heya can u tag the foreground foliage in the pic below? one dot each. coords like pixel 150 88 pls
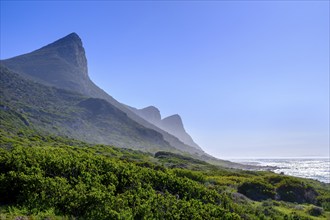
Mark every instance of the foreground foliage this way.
pixel 52 177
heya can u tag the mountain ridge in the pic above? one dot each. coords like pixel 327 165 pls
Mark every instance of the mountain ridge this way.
pixel 49 66
pixel 56 111
pixel 172 124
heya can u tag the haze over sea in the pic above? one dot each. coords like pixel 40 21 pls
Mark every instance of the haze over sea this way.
pixel 312 168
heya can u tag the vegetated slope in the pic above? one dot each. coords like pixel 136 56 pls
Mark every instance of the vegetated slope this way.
pixel 61 112
pixel 44 176
pixel 63 64
pixel 172 124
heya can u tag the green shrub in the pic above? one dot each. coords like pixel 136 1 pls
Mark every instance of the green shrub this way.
pixel 324 202
pixel 193 175
pixel 78 183
pixel 315 211
pixel 292 190
pixel 52 177
pixel 257 190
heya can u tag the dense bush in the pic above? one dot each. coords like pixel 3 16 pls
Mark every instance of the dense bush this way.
pixel 324 202
pixel 80 184
pixel 193 175
pixel 257 189
pixel 292 190
pixel 315 211
pixel 42 176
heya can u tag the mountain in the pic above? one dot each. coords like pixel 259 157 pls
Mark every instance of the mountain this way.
pixel 171 124
pixel 151 114
pixel 63 64
pixel 50 110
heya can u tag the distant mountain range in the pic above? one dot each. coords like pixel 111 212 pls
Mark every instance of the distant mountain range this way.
pixel 171 124
pixel 49 89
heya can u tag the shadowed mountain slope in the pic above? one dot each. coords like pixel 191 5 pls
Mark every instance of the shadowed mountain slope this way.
pixel 63 64
pixel 25 104
pixel 61 112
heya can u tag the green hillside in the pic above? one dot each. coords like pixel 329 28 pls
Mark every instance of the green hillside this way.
pixel 51 177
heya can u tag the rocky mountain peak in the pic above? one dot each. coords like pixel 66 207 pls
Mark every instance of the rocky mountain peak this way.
pixel 151 113
pixel 174 122
pixel 72 38
pixel 174 125
pixel 70 49
pixel 62 64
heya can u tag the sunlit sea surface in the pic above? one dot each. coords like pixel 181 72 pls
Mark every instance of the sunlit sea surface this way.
pixel 315 168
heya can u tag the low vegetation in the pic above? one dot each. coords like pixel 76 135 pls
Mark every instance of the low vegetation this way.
pixel 44 176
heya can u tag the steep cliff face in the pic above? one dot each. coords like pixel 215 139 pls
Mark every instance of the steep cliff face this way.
pixel 71 50
pixel 63 64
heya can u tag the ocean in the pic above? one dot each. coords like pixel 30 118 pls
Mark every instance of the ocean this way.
pixel 312 168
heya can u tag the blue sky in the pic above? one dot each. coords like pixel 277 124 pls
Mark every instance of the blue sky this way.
pixel 249 78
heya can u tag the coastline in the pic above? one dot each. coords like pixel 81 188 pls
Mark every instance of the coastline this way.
pixel 310 168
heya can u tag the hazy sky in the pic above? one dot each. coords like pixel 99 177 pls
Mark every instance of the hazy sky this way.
pixel 249 78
